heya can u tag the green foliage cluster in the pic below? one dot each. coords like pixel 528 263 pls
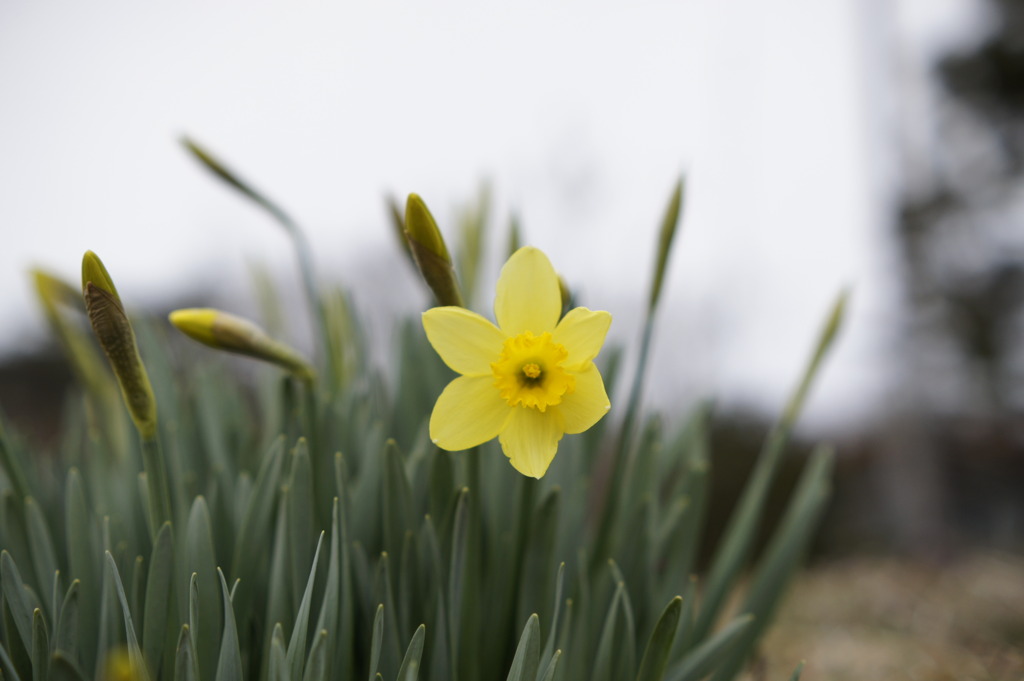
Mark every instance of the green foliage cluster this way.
pixel 313 532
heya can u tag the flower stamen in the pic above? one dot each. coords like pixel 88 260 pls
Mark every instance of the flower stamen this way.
pixel 529 372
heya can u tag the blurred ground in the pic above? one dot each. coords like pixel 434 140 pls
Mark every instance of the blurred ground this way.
pixel 894 619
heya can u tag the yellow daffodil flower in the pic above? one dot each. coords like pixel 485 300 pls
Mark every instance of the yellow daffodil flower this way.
pixel 528 380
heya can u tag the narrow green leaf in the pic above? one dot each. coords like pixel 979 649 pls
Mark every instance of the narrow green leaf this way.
pixel 688 620
pixel 11 465
pixel 681 543
pixel 80 535
pixel 229 666
pixel 280 605
pixel 205 617
pixel 655 661
pixel 409 573
pixel 62 668
pixel 347 614
pixel 441 483
pixel 14 524
pixel 826 338
pixel 540 530
pixel 44 558
pixel 549 671
pixel 297 645
pixel 135 595
pixel 710 654
pixel 796 672
pixel 255 531
pixel 440 650
pixel 7 666
pixel 134 652
pixel 605 658
pixel 455 571
pixel 396 500
pixel 549 646
pixel 66 637
pixel 781 558
pixel 409 670
pixel 278 656
pixel 193 612
pixel 376 641
pixel 186 666
pixel 327 621
pixel 107 605
pixel 301 519
pixel 629 637
pixel 158 597
pixel 316 668
pixel 738 539
pixel 40 647
pixel 16 598
pixel 527 657
pixel 412 672
pixel 390 645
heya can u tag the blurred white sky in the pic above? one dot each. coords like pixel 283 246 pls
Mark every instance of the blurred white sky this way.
pixel 785 116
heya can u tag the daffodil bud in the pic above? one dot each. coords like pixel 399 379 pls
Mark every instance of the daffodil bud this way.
pixel 398 225
pixel 116 337
pixel 430 253
pixel 826 339
pixel 94 271
pixel 230 333
pixel 669 225
pixel 54 291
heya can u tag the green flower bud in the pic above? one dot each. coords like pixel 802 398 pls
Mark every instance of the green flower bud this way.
pixel 430 253
pixel 228 332
pixel 114 332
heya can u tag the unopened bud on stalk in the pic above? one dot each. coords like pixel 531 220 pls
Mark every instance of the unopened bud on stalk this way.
pixel 398 224
pixel 669 226
pixel 116 337
pixel 228 332
pixel 430 253
pixel 54 291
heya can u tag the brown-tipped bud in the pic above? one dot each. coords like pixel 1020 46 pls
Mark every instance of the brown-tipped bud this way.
pixel 116 337
pixel 230 333
pixel 430 253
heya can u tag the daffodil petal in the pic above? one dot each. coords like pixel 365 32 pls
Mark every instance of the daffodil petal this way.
pixel 527 297
pixel 530 440
pixel 582 332
pixel 585 406
pixel 466 341
pixel 469 412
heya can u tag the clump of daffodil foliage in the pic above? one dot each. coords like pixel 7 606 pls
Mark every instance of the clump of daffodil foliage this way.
pixel 332 520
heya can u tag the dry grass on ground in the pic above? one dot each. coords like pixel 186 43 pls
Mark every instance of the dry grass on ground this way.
pixel 887 619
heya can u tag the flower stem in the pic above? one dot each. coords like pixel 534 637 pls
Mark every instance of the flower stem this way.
pixel 156 483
